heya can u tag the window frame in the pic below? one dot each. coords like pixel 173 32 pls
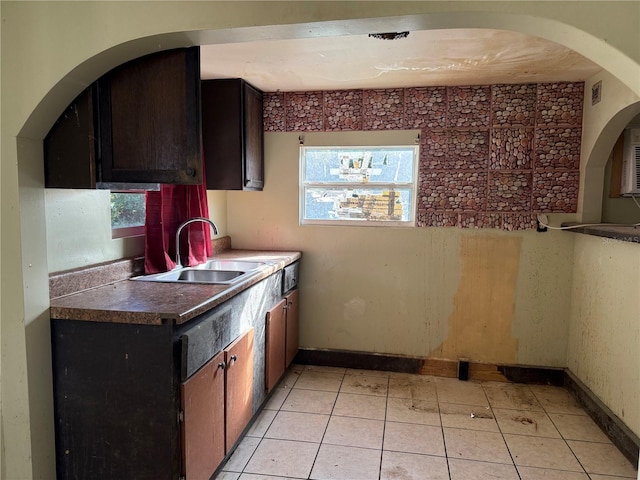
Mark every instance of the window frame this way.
pixel 368 185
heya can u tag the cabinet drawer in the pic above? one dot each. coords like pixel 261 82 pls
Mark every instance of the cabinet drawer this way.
pixel 290 276
pixel 202 341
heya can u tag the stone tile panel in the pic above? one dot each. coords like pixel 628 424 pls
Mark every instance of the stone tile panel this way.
pixel 437 219
pixel 509 192
pixel 481 220
pixel 426 107
pixel 383 109
pixel 463 191
pixel 557 147
pixel 556 191
pixel 513 105
pixel 524 221
pixel 434 147
pixel 511 149
pixel 468 106
pixel 343 110
pixel 273 112
pixel 560 103
pixel 468 150
pixel 304 111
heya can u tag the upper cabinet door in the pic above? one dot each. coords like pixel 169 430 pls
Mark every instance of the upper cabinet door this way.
pixel 150 120
pixel 70 147
pixel 232 135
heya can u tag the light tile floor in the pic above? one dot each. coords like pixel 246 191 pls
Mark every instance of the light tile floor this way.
pixel 326 423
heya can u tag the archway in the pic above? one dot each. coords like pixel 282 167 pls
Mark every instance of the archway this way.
pixel 190 32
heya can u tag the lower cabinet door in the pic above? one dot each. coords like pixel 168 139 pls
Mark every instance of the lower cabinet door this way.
pixel 202 397
pixel 291 341
pixel 275 354
pixel 239 397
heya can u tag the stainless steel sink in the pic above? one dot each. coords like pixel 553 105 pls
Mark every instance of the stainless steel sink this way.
pixel 209 276
pixel 224 272
pixel 229 265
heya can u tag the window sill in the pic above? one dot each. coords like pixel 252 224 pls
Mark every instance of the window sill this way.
pixel 127 232
pixel 624 234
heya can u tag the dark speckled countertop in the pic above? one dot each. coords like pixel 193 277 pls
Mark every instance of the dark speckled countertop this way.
pixel 128 301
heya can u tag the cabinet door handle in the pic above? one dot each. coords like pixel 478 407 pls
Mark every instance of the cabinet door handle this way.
pixel 234 358
pixel 222 365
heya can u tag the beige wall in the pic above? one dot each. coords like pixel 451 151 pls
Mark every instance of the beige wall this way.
pixel 601 127
pixel 52 50
pixel 487 295
pixel 604 335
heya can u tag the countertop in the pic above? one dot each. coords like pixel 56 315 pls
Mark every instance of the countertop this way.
pixel 617 232
pixel 154 303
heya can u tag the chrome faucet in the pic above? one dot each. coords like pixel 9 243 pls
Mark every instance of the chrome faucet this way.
pixel 184 224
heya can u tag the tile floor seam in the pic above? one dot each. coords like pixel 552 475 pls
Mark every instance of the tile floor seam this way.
pixel 384 427
pixel 444 442
pixel 315 459
pixel 493 414
pixel 577 459
pixel 261 437
pixel 268 426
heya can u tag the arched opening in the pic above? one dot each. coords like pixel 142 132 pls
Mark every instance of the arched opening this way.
pixel 59 95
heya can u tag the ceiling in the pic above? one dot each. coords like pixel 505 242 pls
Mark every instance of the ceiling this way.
pixel 423 58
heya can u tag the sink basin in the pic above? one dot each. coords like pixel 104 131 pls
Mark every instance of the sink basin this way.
pixel 229 265
pixel 224 272
pixel 208 276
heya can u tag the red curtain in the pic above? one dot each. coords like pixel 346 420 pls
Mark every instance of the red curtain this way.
pixel 165 211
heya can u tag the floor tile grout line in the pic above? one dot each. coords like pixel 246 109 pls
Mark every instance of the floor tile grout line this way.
pixel 262 437
pixel 513 461
pixel 384 427
pixel 562 436
pixel 315 459
pixel 266 429
pixel 444 441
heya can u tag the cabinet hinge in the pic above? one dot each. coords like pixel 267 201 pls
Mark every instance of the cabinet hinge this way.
pixel 181 417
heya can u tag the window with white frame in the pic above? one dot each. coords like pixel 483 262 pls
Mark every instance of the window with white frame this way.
pixel 358 185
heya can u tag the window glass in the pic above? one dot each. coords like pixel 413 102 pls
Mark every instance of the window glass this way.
pixel 127 213
pixel 358 185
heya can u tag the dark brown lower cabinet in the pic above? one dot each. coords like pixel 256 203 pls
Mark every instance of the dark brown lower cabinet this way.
pixel 203 434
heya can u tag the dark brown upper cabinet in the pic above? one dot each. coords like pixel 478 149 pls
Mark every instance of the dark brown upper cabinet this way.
pixel 232 135
pixel 71 146
pixel 139 123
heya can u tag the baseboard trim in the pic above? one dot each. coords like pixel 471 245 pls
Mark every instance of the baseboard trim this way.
pixel 429 366
pixel 363 360
pixel 621 436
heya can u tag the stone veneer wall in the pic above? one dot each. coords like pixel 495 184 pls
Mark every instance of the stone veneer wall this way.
pixel 490 156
